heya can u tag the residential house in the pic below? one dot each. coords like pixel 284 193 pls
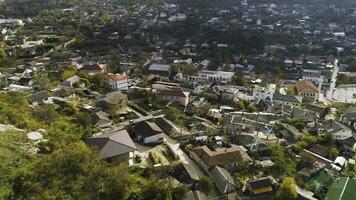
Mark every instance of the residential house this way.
pixel 313 76
pixel 281 99
pixel 224 157
pixel 226 92
pixel 223 180
pixel 112 102
pixel 26 81
pixel 162 70
pixel 349 117
pixel 117 82
pixel 92 68
pixel 101 119
pixel 160 85
pixel 260 186
pixel 115 146
pixel 38 97
pixel 70 82
pixel 307 89
pixel 148 132
pixel 174 95
pixel 348 145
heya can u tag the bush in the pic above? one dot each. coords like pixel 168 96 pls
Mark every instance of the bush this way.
pixel 205 184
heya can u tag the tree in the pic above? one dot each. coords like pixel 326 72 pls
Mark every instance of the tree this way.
pixel 205 184
pixel 2 51
pixel 73 172
pixel 278 157
pixel 306 160
pixel 287 190
pixel 239 80
pixel 69 72
pixel 352 66
pixel 333 152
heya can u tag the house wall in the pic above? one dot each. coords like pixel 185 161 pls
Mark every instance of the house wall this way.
pixel 285 103
pixel 199 161
pixel 120 158
pixel 310 96
pixel 119 85
pixel 154 139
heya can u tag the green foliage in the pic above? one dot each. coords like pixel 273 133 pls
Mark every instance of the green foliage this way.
pixel 239 80
pixel 305 140
pixel 15 110
pixel 12 157
pixel 69 72
pixel 181 189
pixel 287 190
pixel 2 51
pixel 73 172
pixel 205 184
pixel 284 161
pixel 306 160
pixel 344 80
pixel 352 66
pixel 177 116
pixel 97 82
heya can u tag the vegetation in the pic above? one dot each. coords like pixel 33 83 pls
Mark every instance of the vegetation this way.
pixel 77 173
pixel 305 140
pixel 12 157
pixel 205 184
pixel 285 162
pixel 287 190
pixel 344 80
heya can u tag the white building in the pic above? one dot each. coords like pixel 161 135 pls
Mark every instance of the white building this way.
pixel 345 94
pixel 117 82
pixel 174 95
pixel 264 93
pixel 207 76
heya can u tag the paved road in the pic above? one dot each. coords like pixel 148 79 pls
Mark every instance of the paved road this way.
pixel 329 94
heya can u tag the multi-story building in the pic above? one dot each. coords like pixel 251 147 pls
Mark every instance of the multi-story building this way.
pixel 207 76
pixel 117 82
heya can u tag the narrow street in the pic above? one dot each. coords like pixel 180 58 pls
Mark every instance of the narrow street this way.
pixel 329 94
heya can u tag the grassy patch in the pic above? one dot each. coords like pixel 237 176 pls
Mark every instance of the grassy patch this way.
pixel 14 153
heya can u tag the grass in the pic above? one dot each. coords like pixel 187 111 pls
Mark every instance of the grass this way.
pixel 14 153
pixel 322 179
pixel 336 191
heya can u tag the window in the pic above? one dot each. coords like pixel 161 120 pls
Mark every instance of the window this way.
pixel 354 95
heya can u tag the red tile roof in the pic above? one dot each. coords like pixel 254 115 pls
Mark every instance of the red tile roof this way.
pixel 305 86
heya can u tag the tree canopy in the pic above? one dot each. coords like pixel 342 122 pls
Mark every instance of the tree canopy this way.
pixel 287 190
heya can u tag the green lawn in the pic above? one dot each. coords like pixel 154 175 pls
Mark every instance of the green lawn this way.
pixel 343 188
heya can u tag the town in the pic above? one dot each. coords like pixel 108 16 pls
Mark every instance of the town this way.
pixel 178 99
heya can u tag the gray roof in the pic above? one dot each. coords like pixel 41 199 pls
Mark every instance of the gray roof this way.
pixel 226 89
pixel 112 144
pixel 223 179
pixel 39 96
pixel 286 98
pixel 159 67
pixel 112 97
pixel 350 113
